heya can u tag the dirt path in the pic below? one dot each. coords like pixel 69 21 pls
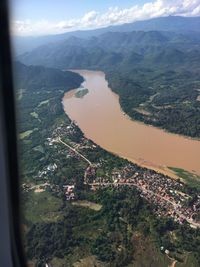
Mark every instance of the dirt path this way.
pixel 173 264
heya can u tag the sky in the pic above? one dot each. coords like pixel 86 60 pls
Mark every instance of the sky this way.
pixel 42 17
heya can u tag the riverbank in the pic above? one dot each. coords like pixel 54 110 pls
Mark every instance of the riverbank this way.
pixel 61 166
pixel 100 117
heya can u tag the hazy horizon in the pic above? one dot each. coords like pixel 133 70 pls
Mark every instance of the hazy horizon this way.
pixel 61 16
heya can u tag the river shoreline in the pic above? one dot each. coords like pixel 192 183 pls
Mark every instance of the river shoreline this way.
pixel 118 138
pixel 132 119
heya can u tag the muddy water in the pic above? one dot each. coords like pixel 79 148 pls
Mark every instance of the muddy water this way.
pixel 99 116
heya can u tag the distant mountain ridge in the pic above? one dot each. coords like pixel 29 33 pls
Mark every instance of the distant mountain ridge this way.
pixel 176 24
pixel 127 49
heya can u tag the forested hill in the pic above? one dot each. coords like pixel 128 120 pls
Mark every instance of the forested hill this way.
pixel 39 77
pixel 156 74
pixel 129 49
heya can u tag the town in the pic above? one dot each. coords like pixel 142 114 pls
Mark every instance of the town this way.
pixel 167 195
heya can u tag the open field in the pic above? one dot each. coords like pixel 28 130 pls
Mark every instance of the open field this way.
pixel 188 262
pixel 146 254
pixel 90 261
pixel 42 207
pixel 25 134
pixel 87 204
pixel 188 177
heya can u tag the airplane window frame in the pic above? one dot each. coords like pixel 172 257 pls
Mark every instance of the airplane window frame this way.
pixel 12 250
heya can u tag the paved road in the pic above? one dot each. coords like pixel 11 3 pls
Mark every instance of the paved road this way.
pixel 83 157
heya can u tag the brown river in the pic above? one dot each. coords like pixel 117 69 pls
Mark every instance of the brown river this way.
pixel 101 119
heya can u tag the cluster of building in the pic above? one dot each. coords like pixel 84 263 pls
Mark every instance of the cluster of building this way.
pixel 126 172
pixel 46 170
pixel 167 196
pixel 90 174
pixel 165 193
pixel 69 192
pixel 36 187
pixel 62 130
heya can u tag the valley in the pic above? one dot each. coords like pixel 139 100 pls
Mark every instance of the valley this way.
pixel 109 145
pixel 155 71
pixel 94 203
pixel 100 117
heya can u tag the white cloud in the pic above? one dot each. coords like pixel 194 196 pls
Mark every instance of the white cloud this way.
pixel 115 15
pixel 90 16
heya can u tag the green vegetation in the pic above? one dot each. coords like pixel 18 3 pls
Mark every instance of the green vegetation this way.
pixel 25 134
pixel 167 96
pixel 190 178
pixel 188 261
pixel 81 93
pixel 89 262
pixel 87 204
pixel 34 114
pixel 139 66
pixel 40 78
pixel 42 207
pixel 116 229
pixel 43 103
pixel 123 233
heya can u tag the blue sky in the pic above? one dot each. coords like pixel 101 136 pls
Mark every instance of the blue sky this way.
pixel 41 17
pixel 64 9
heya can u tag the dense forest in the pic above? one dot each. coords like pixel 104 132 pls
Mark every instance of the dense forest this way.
pixel 39 109
pixel 111 234
pixel 166 99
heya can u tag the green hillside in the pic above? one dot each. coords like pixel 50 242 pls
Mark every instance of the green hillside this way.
pixel 155 72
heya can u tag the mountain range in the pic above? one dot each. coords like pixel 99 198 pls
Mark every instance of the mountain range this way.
pixel 189 25
pixel 158 69
pixel 126 49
